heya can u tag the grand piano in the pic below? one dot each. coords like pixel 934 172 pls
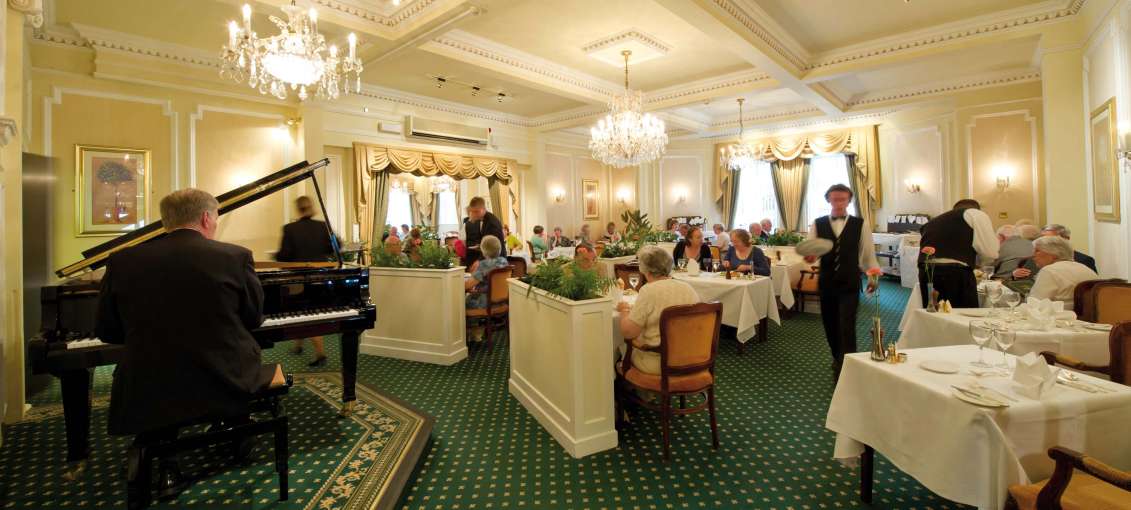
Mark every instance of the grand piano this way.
pixel 301 300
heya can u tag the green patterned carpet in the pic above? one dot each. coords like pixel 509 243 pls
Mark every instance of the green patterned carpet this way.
pixel 489 453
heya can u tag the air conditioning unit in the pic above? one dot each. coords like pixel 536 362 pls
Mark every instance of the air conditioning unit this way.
pixel 434 130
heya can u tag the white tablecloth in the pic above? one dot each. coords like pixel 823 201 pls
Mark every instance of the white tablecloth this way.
pixel 782 274
pixel 926 329
pixel 962 452
pixel 560 252
pixel 745 302
pixel 909 266
pixel 525 256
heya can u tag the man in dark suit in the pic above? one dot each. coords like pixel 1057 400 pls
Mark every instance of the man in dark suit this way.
pixel 478 224
pixel 183 306
pixel 1028 269
pixel 306 240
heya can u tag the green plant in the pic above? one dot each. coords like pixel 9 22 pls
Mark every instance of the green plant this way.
pixel 622 248
pixel 427 232
pixel 380 256
pixel 564 278
pixel 782 239
pixel 430 255
pixel 661 236
pixel 636 225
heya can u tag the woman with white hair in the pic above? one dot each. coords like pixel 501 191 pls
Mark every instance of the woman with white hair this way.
pixel 480 271
pixel 1059 274
pixel 642 320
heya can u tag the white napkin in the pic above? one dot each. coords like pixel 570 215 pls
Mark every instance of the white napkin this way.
pixel 1033 377
pixel 692 268
pixel 1042 314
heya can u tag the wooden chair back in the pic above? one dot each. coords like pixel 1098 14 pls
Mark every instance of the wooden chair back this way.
pixel 689 339
pixel 1111 302
pixel 1082 299
pixel 624 271
pixel 498 292
pixel 807 283
pixel 599 248
pixel 530 249
pixel 1119 345
pixel 519 265
pixel 715 253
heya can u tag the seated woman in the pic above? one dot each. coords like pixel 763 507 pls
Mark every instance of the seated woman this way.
pixel 539 243
pixel 491 246
pixel 641 321
pixel 513 242
pixel 412 244
pixel 693 249
pixel 1059 274
pixel 744 257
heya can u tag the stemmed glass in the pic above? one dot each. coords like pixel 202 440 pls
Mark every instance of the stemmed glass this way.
pixel 634 281
pixel 1012 299
pixel 981 333
pixel 682 264
pixel 714 266
pixel 987 273
pixel 1004 337
pixel 993 294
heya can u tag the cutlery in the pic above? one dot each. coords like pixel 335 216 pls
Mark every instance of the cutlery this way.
pixel 979 395
pixel 1078 386
pixel 1073 378
pixel 996 393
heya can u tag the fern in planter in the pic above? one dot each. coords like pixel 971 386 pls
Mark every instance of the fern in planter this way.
pixel 565 279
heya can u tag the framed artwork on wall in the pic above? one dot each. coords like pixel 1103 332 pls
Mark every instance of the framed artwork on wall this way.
pixel 111 190
pixel 1105 168
pixel 590 196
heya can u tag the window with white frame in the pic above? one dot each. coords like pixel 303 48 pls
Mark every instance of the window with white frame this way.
pixel 756 198
pixel 400 209
pixel 449 218
pixel 825 171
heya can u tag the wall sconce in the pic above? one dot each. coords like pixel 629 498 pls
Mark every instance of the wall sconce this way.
pixel 912 186
pixel 622 196
pixel 680 195
pixel 559 195
pixel 1002 175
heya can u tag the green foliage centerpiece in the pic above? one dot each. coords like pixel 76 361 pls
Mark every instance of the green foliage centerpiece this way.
pixel 429 256
pixel 782 238
pixel 565 279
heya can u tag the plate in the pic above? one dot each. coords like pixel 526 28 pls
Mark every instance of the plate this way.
pixel 814 247
pixel 1097 327
pixel 939 366
pixel 974 312
pixel 977 401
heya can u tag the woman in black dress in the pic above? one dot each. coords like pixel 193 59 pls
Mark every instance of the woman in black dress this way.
pixel 693 249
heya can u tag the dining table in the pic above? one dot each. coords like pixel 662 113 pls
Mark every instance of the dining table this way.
pixel 748 302
pixel 783 275
pixel 964 452
pixel 1081 340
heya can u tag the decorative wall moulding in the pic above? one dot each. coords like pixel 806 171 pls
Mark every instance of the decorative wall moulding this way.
pixel 31 9
pixel 7 130
pixel 643 47
pixel 968 83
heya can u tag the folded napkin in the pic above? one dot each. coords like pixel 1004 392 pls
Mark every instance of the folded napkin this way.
pixel 692 268
pixel 1033 377
pixel 1042 314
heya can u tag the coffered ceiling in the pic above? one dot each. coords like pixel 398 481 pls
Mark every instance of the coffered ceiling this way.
pixel 557 61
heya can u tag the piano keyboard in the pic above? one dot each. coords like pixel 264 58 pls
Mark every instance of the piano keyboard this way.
pixel 297 318
pixel 84 342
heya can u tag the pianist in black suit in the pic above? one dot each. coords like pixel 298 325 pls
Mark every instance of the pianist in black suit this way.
pixel 479 224
pixel 306 240
pixel 183 306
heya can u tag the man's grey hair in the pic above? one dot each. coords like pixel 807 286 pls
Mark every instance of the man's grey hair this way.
pixel 1027 232
pixel 1059 229
pixel 717 227
pixel 655 261
pixel 490 246
pixel 1058 247
pixel 1006 231
pixel 184 207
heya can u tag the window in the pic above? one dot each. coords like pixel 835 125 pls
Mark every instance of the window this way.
pixel 400 210
pixel 824 172
pixel 756 196
pixel 449 218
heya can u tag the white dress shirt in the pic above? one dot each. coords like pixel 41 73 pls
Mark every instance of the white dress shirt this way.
pixel 985 237
pixel 867 245
pixel 1057 281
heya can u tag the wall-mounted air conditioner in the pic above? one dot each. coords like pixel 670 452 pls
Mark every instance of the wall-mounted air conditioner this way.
pixel 434 130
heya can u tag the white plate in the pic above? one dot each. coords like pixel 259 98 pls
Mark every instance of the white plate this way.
pixel 814 247
pixel 977 401
pixel 1097 327
pixel 974 312
pixel 939 366
pixel 706 274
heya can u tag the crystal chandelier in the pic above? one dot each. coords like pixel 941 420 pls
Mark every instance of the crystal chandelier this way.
pixel 627 136
pixel 297 58
pixel 739 154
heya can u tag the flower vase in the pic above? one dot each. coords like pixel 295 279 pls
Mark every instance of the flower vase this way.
pixel 878 351
pixel 932 298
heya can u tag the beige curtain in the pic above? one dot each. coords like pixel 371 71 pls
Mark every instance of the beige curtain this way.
pixel 790 177
pixel 422 196
pixel 363 197
pixel 380 158
pixel 726 185
pixel 499 206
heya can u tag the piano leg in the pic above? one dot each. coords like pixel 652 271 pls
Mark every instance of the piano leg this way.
pixel 76 386
pixel 350 344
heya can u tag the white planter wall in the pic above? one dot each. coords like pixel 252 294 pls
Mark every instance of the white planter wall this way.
pixel 420 315
pixel 562 367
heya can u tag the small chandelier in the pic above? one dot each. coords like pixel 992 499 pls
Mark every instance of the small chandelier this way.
pixel 296 59
pixel 627 136
pixel 739 154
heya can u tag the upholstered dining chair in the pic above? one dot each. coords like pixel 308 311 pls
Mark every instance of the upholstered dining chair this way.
pixel 519 265
pixel 623 271
pixel 1118 368
pixel 806 287
pixel 689 342
pixel 1082 298
pixel 497 313
pixel 715 253
pixel 1111 303
pixel 1097 487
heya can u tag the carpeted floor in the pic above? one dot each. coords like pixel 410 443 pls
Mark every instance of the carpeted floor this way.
pixel 489 453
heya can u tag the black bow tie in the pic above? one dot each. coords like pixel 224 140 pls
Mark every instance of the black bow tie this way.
pixel 834 218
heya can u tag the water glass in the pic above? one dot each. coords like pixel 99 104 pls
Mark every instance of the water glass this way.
pixel 987 273
pixel 981 333
pixel 1012 299
pixel 634 281
pixel 715 266
pixel 993 294
pixel 682 263
pixel 1004 337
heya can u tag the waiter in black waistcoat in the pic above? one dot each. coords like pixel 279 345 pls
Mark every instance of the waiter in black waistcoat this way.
pixel 184 306
pixel 958 236
pixel 477 224
pixel 306 240
pixel 853 251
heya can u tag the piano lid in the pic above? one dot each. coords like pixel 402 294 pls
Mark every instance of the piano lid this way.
pixel 96 257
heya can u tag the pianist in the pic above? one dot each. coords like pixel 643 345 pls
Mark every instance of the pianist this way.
pixel 183 306
pixel 306 240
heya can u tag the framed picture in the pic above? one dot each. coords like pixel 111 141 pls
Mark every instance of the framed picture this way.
pixel 111 190
pixel 1105 168
pixel 590 198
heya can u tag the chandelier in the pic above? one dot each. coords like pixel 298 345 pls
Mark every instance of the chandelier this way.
pixel 296 59
pixel 739 154
pixel 627 136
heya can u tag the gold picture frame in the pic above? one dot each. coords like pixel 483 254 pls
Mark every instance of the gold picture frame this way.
pixel 1104 136
pixel 111 190
pixel 590 195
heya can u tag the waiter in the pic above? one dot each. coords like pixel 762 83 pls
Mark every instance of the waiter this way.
pixel 853 251
pixel 306 240
pixel 958 236
pixel 183 306
pixel 478 224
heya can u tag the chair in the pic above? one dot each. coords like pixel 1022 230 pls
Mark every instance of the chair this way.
pixel 599 249
pixel 689 342
pixel 530 249
pixel 1118 368
pixel 715 253
pixel 1082 302
pixel 806 287
pixel 519 265
pixel 138 490
pixel 624 271
pixel 1111 303
pixel 498 304
pixel 1099 486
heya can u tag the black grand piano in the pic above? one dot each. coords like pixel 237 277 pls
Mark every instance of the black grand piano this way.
pixel 301 300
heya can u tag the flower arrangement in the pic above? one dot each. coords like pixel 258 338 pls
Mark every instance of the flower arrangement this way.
pixel 427 232
pixel 622 248
pixel 932 298
pixel 662 236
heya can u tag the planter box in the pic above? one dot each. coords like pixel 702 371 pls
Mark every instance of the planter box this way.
pixel 561 366
pixel 420 315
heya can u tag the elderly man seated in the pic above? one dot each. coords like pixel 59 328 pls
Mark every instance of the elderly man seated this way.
pixel 1059 274
pixel 1016 247
pixel 1056 229
pixel 641 321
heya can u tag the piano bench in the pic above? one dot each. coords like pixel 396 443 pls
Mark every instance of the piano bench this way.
pixel 139 491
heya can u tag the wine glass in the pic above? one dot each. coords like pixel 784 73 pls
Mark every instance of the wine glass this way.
pixel 987 273
pixel 682 264
pixel 634 281
pixel 1004 337
pixel 714 266
pixel 981 333
pixel 993 294
pixel 1012 299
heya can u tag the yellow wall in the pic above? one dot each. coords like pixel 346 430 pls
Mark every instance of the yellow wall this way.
pixel 11 228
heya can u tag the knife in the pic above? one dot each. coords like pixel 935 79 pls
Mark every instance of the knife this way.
pixel 980 396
